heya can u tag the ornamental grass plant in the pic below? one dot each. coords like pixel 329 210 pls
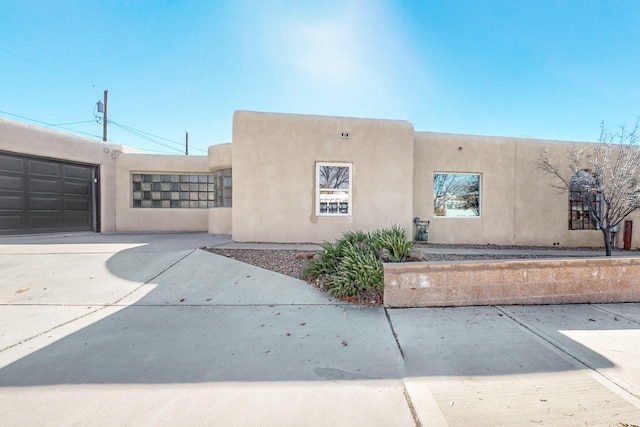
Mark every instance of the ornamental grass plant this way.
pixel 351 267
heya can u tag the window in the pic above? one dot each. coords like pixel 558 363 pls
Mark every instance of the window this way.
pixel 583 196
pixel 456 195
pixel 223 188
pixel 333 189
pixel 173 191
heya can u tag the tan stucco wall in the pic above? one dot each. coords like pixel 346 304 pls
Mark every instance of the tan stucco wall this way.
pixel 129 219
pixel 220 220
pixel 36 141
pixel 116 166
pixel 541 210
pixel 274 158
pixel 220 156
pixel 492 158
pixel 518 204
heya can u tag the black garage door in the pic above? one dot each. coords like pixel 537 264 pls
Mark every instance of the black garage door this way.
pixel 39 195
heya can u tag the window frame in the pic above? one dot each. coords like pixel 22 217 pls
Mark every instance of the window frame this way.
pixel 584 220
pixel 349 191
pixel 435 196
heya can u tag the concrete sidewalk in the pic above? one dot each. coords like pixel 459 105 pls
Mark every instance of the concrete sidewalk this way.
pixel 147 329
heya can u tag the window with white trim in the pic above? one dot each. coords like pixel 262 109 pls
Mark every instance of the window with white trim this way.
pixel 333 189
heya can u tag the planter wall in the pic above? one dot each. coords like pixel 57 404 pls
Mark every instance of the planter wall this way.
pixel 465 283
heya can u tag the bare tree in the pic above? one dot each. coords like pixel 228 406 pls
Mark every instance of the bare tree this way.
pixel 448 187
pixel 442 184
pixel 334 177
pixel 604 177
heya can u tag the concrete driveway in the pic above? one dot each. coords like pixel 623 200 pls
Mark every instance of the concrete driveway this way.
pixel 147 329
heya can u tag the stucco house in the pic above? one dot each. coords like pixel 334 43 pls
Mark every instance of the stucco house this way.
pixel 294 178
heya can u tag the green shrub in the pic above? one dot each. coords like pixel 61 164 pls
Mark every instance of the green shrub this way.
pixel 326 264
pixel 354 237
pixel 392 244
pixel 359 271
pixel 352 266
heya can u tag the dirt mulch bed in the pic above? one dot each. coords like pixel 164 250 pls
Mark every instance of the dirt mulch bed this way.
pixel 278 260
pixel 285 262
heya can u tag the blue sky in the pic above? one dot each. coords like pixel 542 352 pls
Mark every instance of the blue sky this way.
pixel 540 69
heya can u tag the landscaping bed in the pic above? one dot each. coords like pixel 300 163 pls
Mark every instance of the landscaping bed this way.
pixel 293 262
pixel 284 261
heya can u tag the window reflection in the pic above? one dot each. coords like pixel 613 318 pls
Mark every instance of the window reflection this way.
pixel 456 195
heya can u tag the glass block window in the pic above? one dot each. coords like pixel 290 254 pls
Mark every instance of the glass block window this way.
pixel 223 188
pixel 173 191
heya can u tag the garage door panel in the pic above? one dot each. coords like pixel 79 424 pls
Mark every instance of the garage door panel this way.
pixel 77 205
pixel 40 167
pixel 11 202
pixel 70 171
pixel 77 188
pixel 44 186
pixel 80 222
pixel 11 164
pixel 46 195
pixel 45 221
pixel 15 183
pixel 11 223
pixel 39 203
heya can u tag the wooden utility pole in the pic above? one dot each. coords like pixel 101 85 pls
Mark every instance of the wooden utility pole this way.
pixel 104 118
pixel 186 144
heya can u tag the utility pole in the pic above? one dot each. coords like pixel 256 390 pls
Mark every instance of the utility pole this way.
pixel 104 118
pixel 186 144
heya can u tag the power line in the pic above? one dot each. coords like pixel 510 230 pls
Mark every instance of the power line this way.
pixel 76 78
pixel 198 149
pixel 24 58
pixel 50 124
pixel 135 132
pixel 145 133
pixel 40 100
pixel 152 138
pixel 73 123
pixel 156 151
pixel 142 135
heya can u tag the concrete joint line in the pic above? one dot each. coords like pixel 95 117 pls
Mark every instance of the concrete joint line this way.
pixel 414 414
pixel 574 358
pixel 115 303
pixel 393 332
pixel 100 307
pixel 407 396
pixel 230 305
pixel 24 304
pixel 604 310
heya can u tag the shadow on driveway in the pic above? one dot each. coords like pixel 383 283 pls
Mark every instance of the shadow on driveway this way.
pixel 206 318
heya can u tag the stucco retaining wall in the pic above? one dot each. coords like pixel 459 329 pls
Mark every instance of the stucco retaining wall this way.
pixel 593 280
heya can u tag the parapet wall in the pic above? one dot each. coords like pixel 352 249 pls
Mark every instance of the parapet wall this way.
pixel 567 281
